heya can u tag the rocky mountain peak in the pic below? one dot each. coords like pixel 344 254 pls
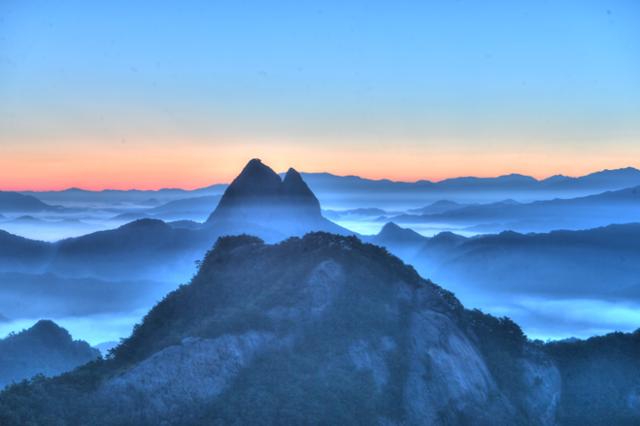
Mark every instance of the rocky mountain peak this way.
pixel 259 193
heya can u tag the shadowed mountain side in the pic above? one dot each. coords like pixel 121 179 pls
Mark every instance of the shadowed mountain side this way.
pixel 45 349
pixel 621 206
pixel 325 328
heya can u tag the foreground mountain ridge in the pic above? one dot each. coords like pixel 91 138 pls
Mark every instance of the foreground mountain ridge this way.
pixel 328 315
pixel 322 329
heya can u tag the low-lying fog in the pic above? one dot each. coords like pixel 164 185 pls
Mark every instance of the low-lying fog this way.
pixel 553 319
pixel 543 317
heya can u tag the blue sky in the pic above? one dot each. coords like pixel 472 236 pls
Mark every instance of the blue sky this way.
pixel 532 86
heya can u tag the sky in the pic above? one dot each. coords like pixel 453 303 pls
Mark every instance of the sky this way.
pixel 158 94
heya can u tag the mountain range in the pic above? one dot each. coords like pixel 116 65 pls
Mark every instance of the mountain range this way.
pixel 621 206
pixel 14 202
pixel 355 192
pixel 158 254
pixel 349 192
pixel 540 263
pixel 328 328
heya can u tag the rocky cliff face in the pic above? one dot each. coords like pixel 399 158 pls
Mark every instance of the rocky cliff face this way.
pixel 321 329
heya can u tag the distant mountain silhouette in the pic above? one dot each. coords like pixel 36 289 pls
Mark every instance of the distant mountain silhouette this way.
pixel 143 249
pixel 258 190
pixel 597 181
pixel 13 202
pixel 27 219
pixel 605 180
pixel 620 206
pixel 259 202
pixel 357 214
pixel 354 192
pixel 438 207
pixel 44 349
pixel 393 233
pixel 326 328
pixel 196 208
pixel 545 264
pixel 348 192
pixel 403 242
pixel 22 254
pixel 75 196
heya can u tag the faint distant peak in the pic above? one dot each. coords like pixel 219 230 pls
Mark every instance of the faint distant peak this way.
pixel 390 227
pixel 47 329
pixel 392 232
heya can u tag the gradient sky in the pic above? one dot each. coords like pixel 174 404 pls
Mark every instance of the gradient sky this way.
pixel 181 94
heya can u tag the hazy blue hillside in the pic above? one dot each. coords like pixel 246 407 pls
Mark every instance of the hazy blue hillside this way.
pixel 21 254
pixel 196 208
pixel 558 284
pixel 13 202
pixel 45 349
pixel 544 264
pixel 144 249
pixel 620 206
pixel 604 261
pixel 79 197
pixel 29 295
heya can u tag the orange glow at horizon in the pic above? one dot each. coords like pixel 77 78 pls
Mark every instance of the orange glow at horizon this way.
pixel 194 166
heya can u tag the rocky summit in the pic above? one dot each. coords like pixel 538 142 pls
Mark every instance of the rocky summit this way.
pixel 323 329
pixel 258 193
pixel 259 202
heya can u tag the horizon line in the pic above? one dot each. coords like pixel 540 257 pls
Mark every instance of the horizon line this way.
pixel 421 180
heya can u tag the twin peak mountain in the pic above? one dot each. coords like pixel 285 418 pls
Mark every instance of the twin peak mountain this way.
pixel 259 202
